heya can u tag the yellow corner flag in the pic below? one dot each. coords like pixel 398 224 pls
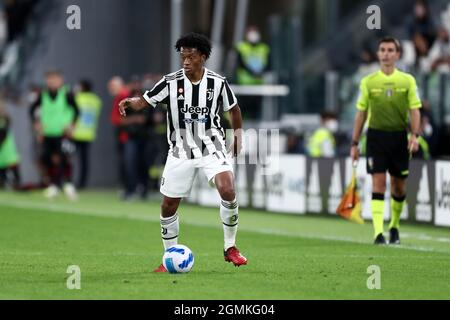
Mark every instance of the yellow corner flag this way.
pixel 350 206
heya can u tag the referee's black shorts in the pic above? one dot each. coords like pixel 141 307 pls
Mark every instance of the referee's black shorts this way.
pixel 388 151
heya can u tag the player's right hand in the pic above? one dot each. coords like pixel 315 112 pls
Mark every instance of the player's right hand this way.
pixel 122 107
pixel 354 153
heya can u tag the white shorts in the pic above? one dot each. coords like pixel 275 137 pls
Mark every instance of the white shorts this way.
pixel 179 175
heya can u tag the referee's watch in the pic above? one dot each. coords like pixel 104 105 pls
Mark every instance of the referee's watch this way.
pixel 355 143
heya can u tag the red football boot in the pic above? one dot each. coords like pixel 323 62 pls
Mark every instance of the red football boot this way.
pixel 233 255
pixel 160 269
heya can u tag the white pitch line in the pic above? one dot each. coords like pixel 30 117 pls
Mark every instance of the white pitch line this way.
pixel 53 207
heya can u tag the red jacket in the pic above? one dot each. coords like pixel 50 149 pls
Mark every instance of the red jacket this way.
pixel 115 115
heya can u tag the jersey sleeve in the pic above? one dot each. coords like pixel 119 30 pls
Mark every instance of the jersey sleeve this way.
pixel 159 93
pixel 363 98
pixel 413 95
pixel 228 97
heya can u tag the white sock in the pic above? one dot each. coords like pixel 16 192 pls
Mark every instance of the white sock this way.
pixel 170 228
pixel 230 218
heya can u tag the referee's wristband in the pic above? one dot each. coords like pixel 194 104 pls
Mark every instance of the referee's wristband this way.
pixel 355 143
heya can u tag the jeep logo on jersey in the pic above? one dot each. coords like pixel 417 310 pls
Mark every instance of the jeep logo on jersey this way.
pixel 196 110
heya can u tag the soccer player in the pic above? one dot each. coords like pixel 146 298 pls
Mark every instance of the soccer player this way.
pixel 389 96
pixel 54 115
pixel 194 96
pixel 9 157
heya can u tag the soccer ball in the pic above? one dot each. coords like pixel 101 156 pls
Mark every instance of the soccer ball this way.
pixel 178 259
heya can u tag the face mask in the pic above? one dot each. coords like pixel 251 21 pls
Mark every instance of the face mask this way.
pixel 428 130
pixel 332 125
pixel 253 36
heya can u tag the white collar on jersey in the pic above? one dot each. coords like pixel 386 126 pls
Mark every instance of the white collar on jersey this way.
pixel 198 82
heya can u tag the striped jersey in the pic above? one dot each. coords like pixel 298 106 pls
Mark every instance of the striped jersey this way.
pixel 193 119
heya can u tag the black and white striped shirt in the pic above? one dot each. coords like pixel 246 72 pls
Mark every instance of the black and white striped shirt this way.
pixel 193 120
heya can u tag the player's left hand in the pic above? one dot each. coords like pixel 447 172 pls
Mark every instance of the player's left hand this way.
pixel 413 145
pixel 123 105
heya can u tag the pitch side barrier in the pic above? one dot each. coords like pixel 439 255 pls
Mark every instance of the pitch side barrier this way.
pixel 301 185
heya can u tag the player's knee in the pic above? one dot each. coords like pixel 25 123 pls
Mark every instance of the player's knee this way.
pixel 379 186
pixel 398 191
pixel 227 193
pixel 168 208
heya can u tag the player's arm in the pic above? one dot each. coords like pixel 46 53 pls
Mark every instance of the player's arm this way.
pixel 136 103
pixel 4 130
pixel 415 127
pixel 74 105
pixel 360 118
pixel 414 112
pixel 158 94
pixel 236 123
pixel 34 111
pixel 230 105
pixel 358 125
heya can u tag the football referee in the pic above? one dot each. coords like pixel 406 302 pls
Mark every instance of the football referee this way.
pixel 388 98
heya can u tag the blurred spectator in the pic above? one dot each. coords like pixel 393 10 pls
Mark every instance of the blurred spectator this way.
pixel 421 29
pixel 136 127
pixel 17 13
pixel 253 61
pixel 135 86
pixel 157 148
pixel 9 157
pixel 438 58
pixel 322 143
pixel 119 91
pixel 54 114
pixel 3 30
pixel 429 130
pixel 368 62
pixel 34 92
pixel 295 143
pixel 85 131
pixel 426 130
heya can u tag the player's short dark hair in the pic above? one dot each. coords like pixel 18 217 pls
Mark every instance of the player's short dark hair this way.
pixel 195 41
pixel 393 40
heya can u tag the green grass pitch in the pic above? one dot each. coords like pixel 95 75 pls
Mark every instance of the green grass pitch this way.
pixel 117 245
